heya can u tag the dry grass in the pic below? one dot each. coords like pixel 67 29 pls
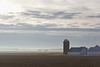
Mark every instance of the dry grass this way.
pixel 48 60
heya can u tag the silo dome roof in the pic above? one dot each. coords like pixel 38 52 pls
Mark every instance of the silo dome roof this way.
pixel 66 40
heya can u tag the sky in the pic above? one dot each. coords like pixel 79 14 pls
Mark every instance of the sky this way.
pixel 44 24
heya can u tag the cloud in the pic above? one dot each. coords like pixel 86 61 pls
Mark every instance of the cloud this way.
pixel 46 27
pixel 98 16
pixel 63 15
pixel 24 28
pixel 47 20
pixel 6 17
pixel 89 6
pixel 50 14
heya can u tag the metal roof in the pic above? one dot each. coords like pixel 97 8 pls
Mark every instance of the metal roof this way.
pixel 94 49
pixel 76 49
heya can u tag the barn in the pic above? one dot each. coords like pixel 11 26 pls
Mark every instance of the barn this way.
pixel 78 51
pixel 94 51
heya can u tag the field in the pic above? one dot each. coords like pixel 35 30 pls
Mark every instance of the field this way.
pixel 48 60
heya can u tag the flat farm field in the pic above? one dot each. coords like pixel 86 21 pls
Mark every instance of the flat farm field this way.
pixel 48 60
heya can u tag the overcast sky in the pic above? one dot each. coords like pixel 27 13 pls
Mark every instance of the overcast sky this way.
pixel 46 23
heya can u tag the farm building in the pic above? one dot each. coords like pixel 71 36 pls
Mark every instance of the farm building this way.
pixel 94 51
pixel 66 46
pixel 78 51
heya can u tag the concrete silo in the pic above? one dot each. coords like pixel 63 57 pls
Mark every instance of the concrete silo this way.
pixel 66 46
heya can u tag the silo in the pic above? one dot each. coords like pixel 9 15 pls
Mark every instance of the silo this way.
pixel 66 46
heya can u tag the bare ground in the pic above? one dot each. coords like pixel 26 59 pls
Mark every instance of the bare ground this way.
pixel 48 60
